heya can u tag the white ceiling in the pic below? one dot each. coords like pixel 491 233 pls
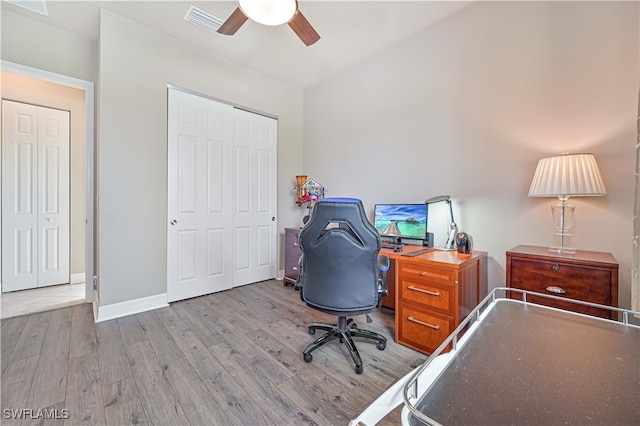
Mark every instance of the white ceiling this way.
pixel 350 31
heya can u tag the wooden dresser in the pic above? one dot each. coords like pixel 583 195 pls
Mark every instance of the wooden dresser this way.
pixel 292 255
pixel 434 292
pixel 586 275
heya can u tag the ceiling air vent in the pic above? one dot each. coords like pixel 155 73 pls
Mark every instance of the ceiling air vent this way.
pixel 203 19
pixel 38 6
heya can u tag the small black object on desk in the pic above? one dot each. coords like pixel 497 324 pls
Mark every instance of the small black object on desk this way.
pixel 395 247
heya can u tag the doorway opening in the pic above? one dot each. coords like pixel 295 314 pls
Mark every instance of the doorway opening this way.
pixel 81 286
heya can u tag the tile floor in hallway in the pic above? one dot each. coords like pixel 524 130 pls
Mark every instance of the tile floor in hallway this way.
pixel 24 302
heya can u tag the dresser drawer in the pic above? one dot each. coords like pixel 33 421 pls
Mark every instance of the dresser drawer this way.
pixel 421 329
pixel 578 282
pixel 291 267
pixel 589 284
pixel 292 255
pixel 291 241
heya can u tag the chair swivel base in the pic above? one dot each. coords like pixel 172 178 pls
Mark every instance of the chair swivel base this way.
pixel 344 330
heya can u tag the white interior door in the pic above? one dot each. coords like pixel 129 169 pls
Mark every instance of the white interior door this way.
pixel 200 173
pixel 35 196
pixel 255 232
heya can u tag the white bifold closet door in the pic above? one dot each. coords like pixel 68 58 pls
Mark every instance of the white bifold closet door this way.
pixel 221 202
pixel 35 196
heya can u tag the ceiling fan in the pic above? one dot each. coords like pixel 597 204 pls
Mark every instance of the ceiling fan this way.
pixel 271 12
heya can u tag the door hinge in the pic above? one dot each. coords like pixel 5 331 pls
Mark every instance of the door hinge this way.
pixel 95 282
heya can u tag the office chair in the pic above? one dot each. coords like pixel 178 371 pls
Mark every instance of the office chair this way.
pixel 341 273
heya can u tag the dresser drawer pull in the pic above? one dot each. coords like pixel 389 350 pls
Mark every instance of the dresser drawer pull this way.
pixel 423 273
pixel 432 293
pixel 554 289
pixel 555 267
pixel 426 324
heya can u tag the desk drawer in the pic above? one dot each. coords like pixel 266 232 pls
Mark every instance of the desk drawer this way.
pixel 421 329
pixel 440 297
pixel 426 274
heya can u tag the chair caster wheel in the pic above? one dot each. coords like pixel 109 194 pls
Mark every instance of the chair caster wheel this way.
pixel 307 357
pixel 381 345
pixel 312 331
pixel 358 369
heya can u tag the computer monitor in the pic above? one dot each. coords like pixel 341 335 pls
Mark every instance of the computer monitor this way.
pixel 400 221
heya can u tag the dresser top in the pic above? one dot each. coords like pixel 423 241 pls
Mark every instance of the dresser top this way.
pixel 579 255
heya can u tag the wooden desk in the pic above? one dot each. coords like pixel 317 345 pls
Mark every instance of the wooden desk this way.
pixel 432 293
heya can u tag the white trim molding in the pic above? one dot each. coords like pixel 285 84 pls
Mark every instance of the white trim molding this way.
pixel 131 307
pixel 77 278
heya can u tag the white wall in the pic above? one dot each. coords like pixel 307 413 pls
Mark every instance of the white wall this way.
pixel 28 42
pixel 136 64
pixel 468 107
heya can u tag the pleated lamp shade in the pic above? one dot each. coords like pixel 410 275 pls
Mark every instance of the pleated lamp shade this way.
pixel 567 175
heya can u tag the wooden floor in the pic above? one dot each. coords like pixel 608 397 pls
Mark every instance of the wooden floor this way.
pixel 230 358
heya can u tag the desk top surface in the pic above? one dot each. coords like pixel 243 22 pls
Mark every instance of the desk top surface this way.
pixel 439 256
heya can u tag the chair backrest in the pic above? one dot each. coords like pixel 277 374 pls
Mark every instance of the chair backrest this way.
pixel 340 258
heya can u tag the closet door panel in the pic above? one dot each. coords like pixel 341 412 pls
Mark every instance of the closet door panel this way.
pixel 19 196
pixel 199 193
pixel 255 142
pixel 53 197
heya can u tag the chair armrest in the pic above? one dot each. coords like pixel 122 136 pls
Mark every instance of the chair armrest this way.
pixel 383 267
pixel 383 263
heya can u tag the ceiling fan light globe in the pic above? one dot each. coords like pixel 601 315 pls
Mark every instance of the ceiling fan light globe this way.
pixel 269 12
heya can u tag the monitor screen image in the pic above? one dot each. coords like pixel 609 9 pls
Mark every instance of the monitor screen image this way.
pixel 401 220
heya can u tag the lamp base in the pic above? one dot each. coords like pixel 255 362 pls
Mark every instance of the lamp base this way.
pixel 562 244
pixel 562 250
pixel 562 214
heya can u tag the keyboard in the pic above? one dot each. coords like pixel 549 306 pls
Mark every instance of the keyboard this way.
pixel 419 252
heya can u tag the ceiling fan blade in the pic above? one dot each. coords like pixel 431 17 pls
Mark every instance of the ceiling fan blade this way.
pixel 303 29
pixel 233 22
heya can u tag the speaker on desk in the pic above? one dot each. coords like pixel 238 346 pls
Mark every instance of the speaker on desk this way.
pixel 428 241
pixel 464 242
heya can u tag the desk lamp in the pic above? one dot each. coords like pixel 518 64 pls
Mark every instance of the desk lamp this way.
pixel 453 228
pixel 564 176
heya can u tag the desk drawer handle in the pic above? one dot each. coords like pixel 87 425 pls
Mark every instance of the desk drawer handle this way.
pixel 426 324
pixel 554 289
pixel 432 293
